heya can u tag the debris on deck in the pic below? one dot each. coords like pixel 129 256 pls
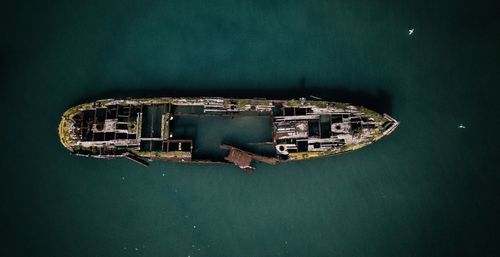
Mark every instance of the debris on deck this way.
pixel 140 129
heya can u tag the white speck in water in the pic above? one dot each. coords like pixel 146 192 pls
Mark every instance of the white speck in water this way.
pixel 124 248
pixel 410 31
pixel 163 174
pixel 461 126
pixel 137 249
pixel 194 226
pixel 123 178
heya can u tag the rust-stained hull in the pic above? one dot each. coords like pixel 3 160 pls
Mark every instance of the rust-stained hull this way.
pixel 141 129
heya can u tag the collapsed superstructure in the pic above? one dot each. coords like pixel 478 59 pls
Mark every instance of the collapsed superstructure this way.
pixel 143 129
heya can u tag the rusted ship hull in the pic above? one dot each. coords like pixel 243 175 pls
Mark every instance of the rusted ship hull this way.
pixel 142 129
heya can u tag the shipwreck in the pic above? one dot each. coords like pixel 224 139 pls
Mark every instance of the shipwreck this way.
pixel 185 129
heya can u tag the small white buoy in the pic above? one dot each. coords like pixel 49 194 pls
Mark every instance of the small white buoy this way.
pixel 410 31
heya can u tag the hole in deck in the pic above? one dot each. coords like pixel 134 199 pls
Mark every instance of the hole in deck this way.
pixel 208 132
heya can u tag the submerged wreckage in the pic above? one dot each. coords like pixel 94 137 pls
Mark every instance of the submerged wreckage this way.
pixel 146 129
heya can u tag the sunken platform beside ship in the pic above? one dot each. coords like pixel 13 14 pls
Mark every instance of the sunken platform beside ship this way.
pixel 185 129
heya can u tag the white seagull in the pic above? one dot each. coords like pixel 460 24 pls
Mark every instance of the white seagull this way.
pixel 410 31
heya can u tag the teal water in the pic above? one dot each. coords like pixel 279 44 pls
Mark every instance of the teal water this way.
pixel 429 189
pixel 209 132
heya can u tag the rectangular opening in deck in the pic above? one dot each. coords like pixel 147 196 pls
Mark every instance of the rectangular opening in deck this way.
pixel 151 120
pixel 152 146
pixel 208 132
pixel 300 111
pixel 325 126
pixel 313 127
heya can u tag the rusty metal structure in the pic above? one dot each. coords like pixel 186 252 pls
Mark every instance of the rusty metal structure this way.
pixel 142 129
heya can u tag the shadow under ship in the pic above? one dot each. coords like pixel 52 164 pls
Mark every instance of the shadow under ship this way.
pixel 175 129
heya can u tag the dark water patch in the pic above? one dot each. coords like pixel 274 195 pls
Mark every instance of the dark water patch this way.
pixel 208 132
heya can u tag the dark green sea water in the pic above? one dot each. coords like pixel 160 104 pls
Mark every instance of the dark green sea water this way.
pixel 429 189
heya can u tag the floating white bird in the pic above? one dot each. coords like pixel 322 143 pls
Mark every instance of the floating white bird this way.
pixel 410 31
pixel 462 126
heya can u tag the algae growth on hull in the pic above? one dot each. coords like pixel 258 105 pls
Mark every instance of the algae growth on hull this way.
pixel 255 129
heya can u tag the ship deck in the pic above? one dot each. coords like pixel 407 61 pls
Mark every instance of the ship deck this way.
pixel 194 129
